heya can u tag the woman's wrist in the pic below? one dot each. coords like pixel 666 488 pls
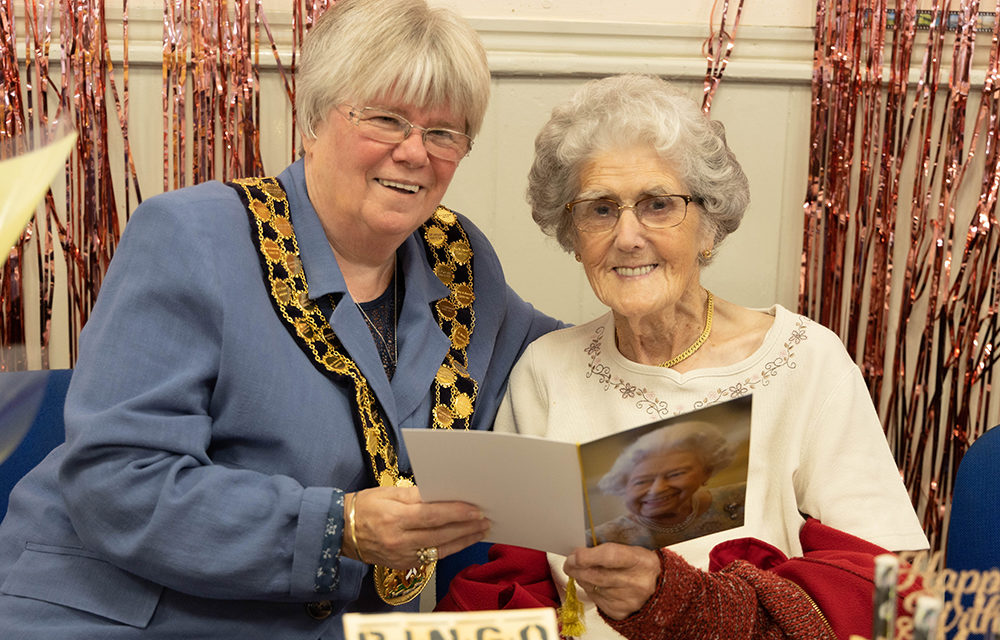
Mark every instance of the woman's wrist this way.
pixel 654 611
pixel 350 546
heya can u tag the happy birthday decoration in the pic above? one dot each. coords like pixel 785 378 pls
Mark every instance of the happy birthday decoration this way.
pixel 970 598
pixel 900 243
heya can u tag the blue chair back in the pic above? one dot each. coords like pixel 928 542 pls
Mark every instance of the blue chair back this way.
pixel 31 422
pixel 974 524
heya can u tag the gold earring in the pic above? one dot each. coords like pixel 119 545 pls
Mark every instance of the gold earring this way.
pixel 579 258
pixel 706 254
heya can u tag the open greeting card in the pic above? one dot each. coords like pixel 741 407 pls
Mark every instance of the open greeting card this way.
pixel 652 485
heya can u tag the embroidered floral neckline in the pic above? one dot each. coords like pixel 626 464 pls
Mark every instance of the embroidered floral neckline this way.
pixel 613 372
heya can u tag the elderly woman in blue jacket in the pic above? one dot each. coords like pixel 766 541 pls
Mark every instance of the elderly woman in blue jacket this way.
pixel 233 464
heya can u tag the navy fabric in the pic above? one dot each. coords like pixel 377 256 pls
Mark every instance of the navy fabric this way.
pixel 974 525
pixel 31 411
pixel 448 568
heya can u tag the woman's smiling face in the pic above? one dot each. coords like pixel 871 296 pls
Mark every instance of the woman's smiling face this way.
pixel 364 187
pixel 662 485
pixel 637 271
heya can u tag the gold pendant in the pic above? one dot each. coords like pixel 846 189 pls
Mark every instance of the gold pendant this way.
pixel 395 586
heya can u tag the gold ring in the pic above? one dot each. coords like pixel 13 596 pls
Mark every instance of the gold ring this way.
pixel 427 555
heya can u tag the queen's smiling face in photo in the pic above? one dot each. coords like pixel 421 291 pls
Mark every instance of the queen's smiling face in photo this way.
pixel 662 487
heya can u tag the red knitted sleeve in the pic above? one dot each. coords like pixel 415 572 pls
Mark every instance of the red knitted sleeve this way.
pixel 741 602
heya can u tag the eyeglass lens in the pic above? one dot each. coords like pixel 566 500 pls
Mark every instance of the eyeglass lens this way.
pixel 385 126
pixel 655 212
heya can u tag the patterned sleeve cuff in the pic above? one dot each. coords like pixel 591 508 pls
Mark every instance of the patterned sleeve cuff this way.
pixel 758 605
pixel 327 569
pixel 657 617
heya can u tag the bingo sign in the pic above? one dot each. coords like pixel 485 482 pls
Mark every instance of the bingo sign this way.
pixel 517 624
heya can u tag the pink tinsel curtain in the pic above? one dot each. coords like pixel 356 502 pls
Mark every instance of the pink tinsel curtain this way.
pixel 211 55
pixel 900 244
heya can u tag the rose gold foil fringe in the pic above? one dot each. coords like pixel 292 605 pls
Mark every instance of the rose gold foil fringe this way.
pixel 210 96
pixel 12 128
pixel 222 81
pixel 77 98
pixel 923 330
pixel 717 49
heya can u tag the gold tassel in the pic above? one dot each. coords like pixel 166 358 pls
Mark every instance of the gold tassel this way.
pixel 571 613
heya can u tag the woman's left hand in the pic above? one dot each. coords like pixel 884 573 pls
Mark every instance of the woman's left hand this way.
pixel 618 578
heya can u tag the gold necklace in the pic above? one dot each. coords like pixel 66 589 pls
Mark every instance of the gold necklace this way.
pixel 684 355
pixel 449 251
pixel 395 322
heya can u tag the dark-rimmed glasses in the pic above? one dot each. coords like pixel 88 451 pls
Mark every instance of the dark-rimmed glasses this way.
pixel 653 212
pixel 386 126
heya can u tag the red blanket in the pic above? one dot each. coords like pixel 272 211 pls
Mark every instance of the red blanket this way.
pixel 836 570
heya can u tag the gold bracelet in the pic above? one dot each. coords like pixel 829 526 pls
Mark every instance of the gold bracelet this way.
pixel 354 537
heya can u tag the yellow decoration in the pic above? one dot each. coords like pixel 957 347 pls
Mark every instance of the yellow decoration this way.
pixel 461 252
pixel 24 179
pixel 293 264
pixel 283 227
pixel 445 376
pixel 444 272
pixel 443 416
pixel 571 613
pixel 272 250
pixel 334 362
pixel 435 236
pixel 261 211
pixel 273 190
pixel 445 216
pixel 281 291
pixel 460 337
pixel 464 295
pixel 446 309
pixel 460 368
pixel 463 405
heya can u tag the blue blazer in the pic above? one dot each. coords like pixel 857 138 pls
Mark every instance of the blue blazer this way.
pixel 206 456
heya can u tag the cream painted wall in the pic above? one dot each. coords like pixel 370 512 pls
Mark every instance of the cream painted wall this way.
pixel 540 51
pixel 755 12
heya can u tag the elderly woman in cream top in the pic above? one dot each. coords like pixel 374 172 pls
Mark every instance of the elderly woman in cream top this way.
pixel 634 180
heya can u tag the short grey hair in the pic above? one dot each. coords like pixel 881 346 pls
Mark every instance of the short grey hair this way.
pixel 624 110
pixel 360 50
pixel 704 439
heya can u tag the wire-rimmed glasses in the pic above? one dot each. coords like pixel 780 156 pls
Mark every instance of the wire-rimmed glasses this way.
pixel 386 126
pixel 653 212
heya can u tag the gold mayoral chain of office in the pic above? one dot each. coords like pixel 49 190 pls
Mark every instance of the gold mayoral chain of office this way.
pixel 450 254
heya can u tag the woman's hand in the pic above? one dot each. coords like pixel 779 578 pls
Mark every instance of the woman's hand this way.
pixel 618 578
pixel 391 526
